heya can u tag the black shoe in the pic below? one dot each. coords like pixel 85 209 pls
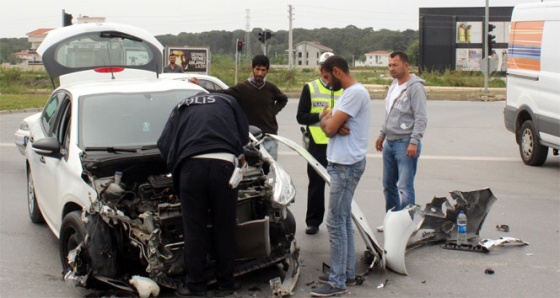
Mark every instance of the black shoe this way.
pixel 184 291
pixel 226 291
pixel 325 280
pixel 311 230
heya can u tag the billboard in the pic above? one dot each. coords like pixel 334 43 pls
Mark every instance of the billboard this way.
pixel 192 60
pixel 452 38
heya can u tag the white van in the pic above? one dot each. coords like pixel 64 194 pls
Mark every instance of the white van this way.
pixel 532 109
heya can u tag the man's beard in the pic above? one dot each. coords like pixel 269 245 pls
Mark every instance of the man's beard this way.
pixel 336 84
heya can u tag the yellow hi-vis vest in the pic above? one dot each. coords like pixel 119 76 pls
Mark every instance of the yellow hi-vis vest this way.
pixel 321 97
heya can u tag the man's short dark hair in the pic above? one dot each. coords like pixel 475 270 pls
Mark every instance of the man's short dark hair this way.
pixel 402 55
pixel 335 61
pixel 261 60
pixel 172 54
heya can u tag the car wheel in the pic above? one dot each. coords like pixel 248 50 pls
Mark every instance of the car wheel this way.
pixel 280 230
pixel 530 148
pixel 32 207
pixel 290 223
pixel 72 233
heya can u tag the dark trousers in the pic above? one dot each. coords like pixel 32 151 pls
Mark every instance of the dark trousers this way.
pixel 204 194
pixel 316 188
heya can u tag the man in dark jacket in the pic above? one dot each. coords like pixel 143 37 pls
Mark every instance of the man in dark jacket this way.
pixel 261 100
pixel 201 142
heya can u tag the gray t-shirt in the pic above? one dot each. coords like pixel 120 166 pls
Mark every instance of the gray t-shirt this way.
pixel 349 149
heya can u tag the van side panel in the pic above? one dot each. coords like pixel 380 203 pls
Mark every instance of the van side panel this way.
pixel 524 50
pixel 549 85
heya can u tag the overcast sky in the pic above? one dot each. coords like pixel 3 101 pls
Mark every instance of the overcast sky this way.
pixel 17 18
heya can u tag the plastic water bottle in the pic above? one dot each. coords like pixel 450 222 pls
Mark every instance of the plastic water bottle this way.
pixel 462 228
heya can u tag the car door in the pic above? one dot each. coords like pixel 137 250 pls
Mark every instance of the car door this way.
pixel 45 170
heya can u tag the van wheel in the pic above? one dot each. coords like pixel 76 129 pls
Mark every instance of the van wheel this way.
pixel 530 148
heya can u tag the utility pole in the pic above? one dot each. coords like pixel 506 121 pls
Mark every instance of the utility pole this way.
pixel 486 54
pixel 290 38
pixel 248 35
pixel 236 58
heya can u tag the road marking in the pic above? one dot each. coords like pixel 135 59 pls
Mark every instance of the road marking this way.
pixel 7 145
pixel 436 157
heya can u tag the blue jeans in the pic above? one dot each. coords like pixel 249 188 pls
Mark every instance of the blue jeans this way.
pixel 398 174
pixel 344 179
pixel 272 147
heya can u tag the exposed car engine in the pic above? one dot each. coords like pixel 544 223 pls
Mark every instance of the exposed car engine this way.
pixel 137 220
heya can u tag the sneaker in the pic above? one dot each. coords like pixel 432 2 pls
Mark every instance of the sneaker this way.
pixel 311 230
pixel 325 279
pixel 184 291
pixel 326 290
pixel 227 291
pixel 380 229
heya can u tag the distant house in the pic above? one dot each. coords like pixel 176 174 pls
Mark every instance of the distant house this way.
pixel 30 56
pixel 307 53
pixel 36 37
pixel 376 59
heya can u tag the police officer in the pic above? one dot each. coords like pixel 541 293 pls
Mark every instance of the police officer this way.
pixel 315 96
pixel 203 137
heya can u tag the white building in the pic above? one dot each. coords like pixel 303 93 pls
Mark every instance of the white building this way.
pixel 307 53
pixel 376 59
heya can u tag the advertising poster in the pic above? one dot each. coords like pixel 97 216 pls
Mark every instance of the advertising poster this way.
pixel 473 32
pixel 468 59
pixel 193 60
pixel 469 32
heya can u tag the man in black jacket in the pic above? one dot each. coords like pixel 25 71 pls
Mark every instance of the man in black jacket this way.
pixel 201 141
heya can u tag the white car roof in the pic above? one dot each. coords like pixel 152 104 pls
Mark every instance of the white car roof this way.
pixel 128 86
pixel 185 76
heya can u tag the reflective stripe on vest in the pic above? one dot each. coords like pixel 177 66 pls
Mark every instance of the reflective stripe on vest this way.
pixel 320 98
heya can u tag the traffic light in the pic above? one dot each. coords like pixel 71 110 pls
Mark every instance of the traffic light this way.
pixel 261 37
pixel 491 38
pixel 267 35
pixel 66 19
pixel 491 42
pixel 239 46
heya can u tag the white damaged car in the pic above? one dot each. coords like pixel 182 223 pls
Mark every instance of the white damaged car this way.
pixel 96 177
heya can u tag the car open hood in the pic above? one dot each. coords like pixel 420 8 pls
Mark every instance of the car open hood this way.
pixel 83 47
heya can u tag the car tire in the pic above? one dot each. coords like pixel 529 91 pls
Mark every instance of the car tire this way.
pixel 34 212
pixel 531 151
pixel 290 222
pixel 72 233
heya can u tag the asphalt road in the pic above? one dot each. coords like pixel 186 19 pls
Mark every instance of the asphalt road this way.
pixel 466 148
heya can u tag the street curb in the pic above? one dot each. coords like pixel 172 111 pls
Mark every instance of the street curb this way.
pixel 20 111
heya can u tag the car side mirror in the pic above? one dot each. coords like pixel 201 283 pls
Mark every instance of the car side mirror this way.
pixel 256 132
pixel 49 147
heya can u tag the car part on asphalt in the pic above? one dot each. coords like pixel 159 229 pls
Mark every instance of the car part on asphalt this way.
pixel 464 247
pixel 489 243
pixel 398 227
pixel 440 216
pixel 503 228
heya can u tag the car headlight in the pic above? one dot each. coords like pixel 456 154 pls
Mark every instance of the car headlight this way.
pixel 284 190
pixel 24 126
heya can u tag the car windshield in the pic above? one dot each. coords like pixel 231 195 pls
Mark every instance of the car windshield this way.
pixel 125 119
pixel 103 49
